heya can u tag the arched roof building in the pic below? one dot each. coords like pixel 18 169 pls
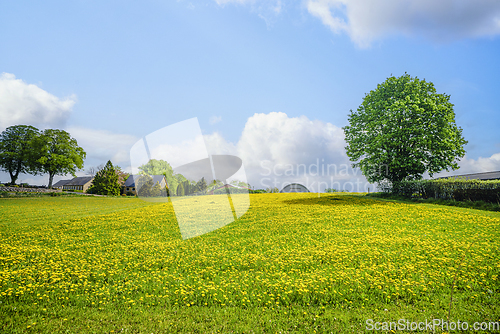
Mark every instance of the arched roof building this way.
pixel 294 188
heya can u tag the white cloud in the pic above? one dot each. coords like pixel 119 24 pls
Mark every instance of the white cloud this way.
pixel 468 166
pixel 214 119
pixel 367 20
pixel 22 103
pixel 216 144
pixel 102 145
pixel 277 149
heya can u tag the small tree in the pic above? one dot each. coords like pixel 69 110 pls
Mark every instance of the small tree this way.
pixel 105 181
pixel 144 184
pixel 16 151
pixel 57 154
pixel 156 190
pixel 201 186
pixel 402 130
pixel 180 189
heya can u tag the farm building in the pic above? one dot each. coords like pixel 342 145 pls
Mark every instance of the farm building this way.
pixel 129 184
pixel 59 184
pixel 294 188
pixel 79 183
pixel 478 176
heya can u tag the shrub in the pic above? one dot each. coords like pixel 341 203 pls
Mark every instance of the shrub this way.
pixel 257 191
pixel 458 189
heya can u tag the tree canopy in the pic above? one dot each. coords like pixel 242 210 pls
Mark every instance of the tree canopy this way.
pixel 403 129
pixel 144 184
pixel 106 181
pixel 57 153
pixel 161 167
pixel 16 152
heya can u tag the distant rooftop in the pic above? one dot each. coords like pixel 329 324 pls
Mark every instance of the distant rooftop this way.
pixel 79 181
pixel 60 183
pixel 477 176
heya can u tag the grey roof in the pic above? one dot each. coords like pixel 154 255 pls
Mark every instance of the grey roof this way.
pixel 131 180
pixel 80 181
pixel 60 183
pixel 479 176
pixel 294 188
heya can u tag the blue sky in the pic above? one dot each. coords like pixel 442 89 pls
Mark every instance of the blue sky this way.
pixel 110 72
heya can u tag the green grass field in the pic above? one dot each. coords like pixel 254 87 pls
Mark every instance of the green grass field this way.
pixel 294 263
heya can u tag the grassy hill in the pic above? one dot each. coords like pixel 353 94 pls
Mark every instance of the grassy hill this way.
pixel 293 263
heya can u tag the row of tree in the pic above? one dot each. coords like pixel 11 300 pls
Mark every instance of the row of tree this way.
pixel 188 188
pixel 25 149
pixel 177 184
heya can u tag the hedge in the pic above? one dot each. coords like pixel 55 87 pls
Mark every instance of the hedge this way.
pixel 458 189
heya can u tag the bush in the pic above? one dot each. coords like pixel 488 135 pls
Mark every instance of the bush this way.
pixel 458 189
pixel 257 191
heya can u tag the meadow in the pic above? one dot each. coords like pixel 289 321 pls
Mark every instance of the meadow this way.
pixel 294 263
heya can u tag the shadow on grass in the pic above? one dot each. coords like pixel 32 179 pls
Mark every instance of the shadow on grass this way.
pixel 336 200
pixel 478 205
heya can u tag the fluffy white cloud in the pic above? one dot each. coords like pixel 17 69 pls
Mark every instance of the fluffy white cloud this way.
pixel 102 145
pixel 277 150
pixel 22 103
pixel 216 144
pixel 367 20
pixel 468 166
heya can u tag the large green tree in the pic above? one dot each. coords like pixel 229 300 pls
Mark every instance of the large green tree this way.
pixel 144 184
pixel 16 150
pixel 161 167
pixel 106 181
pixel 403 129
pixel 58 153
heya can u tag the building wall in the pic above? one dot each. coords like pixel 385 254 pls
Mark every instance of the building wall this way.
pixel 86 186
pixel 127 189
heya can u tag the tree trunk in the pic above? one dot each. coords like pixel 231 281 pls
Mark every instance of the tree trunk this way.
pixel 51 177
pixel 13 177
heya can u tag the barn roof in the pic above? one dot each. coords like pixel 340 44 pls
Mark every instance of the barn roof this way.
pixel 478 176
pixel 79 181
pixel 60 183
